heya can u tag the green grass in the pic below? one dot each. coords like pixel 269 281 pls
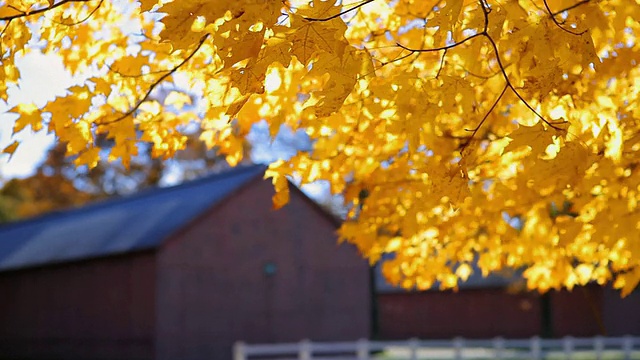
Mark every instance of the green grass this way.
pixel 402 353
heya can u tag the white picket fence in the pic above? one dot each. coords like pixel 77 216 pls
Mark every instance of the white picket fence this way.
pixel 597 348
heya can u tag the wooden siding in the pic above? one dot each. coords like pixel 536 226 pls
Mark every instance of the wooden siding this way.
pixel 214 285
pixel 578 312
pixel 98 309
pixel 489 312
pixel 621 316
pixel 477 313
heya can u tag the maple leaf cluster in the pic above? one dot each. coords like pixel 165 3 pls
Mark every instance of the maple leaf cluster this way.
pixel 487 134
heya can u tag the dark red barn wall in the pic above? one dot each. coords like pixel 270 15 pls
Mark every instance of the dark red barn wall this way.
pixel 214 285
pixel 621 315
pixel 489 312
pixel 472 313
pixel 97 309
pixel 577 312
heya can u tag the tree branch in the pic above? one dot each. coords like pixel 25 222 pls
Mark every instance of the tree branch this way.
pixel 510 85
pixel 157 82
pixel 86 17
pixel 447 47
pixel 444 55
pixel 6 26
pixel 486 10
pixel 340 13
pixel 40 11
pixel 398 58
pixel 486 116
pixel 555 21
pixel 156 72
pixel 579 3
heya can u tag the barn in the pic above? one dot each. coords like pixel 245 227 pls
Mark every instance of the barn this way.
pixel 179 273
pixel 501 306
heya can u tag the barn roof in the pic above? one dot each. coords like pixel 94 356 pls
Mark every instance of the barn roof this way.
pixel 139 222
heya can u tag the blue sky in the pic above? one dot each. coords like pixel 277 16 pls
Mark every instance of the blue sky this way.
pixel 43 77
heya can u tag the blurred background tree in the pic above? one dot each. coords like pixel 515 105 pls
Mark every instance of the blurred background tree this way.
pixel 57 184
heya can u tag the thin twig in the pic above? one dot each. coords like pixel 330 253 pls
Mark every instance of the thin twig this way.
pixel 510 85
pixel 555 21
pixel 39 11
pixel 157 82
pixel 85 19
pixel 399 58
pixel 579 3
pixel 156 72
pixel 444 55
pixel 1 34
pixel 486 116
pixel 486 10
pixel 447 47
pixel 340 13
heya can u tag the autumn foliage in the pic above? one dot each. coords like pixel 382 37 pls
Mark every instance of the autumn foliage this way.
pixel 464 134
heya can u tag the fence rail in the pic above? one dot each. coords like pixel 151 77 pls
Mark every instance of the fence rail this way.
pixel 535 348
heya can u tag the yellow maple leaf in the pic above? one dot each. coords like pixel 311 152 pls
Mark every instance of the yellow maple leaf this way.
pixel 11 148
pixel 146 5
pixel 438 123
pixel 279 179
pixel 343 74
pixel 181 16
pixel 29 116
pixel 536 137
pixel 89 157
pixel 627 281
pixel 177 99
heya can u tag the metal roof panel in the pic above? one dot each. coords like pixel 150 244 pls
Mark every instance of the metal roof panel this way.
pixel 122 225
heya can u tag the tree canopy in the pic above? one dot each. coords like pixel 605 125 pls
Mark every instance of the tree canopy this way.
pixel 464 134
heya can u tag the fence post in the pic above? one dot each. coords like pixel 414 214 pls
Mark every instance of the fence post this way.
pixel 413 349
pixel 598 346
pixel 627 346
pixel 304 350
pixel 458 346
pixel 536 348
pixel 239 351
pixel 567 346
pixel 362 349
pixel 498 347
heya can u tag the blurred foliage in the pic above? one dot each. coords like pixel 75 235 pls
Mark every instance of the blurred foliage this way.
pixel 57 184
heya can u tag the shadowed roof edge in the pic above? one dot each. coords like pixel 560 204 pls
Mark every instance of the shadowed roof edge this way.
pixel 116 226
pixel 114 201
